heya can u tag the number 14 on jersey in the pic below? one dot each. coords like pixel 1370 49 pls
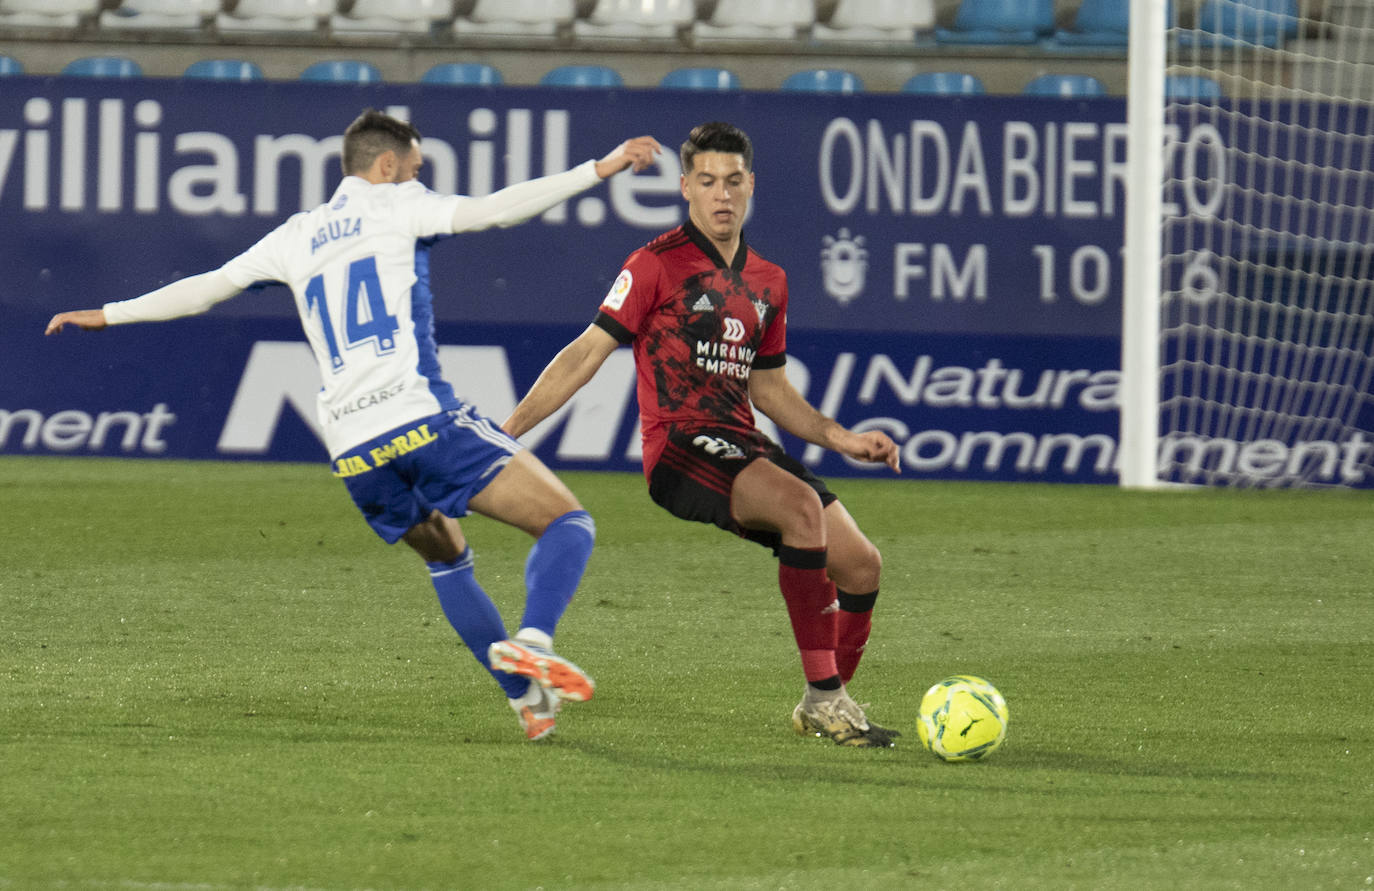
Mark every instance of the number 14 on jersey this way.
pixel 365 314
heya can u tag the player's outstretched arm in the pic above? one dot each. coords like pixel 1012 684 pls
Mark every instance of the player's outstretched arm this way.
pixel 518 203
pixel 184 297
pixel 85 319
pixel 574 365
pixel 773 394
pixel 638 153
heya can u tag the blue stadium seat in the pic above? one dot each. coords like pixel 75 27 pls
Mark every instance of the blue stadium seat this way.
pixel 1264 23
pixel 223 69
pixel 465 74
pixel 343 71
pixel 823 80
pixel 1065 85
pixel 1191 86
pixel 700 79
pixel 103 66
pixel 944 83
pixel 10 65
pixel 582 76
pixel 1099 23
pixel 1000 21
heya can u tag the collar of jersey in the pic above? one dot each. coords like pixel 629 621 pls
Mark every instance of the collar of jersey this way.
pixel 709 249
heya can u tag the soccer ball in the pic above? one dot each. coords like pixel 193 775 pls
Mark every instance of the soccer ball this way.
pixel 962 718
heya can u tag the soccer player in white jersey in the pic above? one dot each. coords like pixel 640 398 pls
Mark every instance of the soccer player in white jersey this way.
pixel 413 456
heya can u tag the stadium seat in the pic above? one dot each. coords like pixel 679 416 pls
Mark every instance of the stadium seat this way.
pixel 10 66
pixel 823 80
pixel 1264 23
pixel 877 21
pixel 391 17
pixel 756 20
pixel 223 69
pixel 160 15
pixel 46 13
pixel 1191 86
pixel 276 15
pixel 464 74
pixel 700 79
pixel 1098 23
pixel 342 71
pixel 636 19
pixel 582 76
pixel 944 83
pixel 103 66
pixel 1065 85
pixel 1000 22
pixel 522 19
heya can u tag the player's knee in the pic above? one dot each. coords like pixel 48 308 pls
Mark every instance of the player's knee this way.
pixel 857 570
pixel 869 569
pixel 806 520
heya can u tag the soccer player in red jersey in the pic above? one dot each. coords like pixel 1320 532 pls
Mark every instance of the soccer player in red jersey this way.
pixel 707 318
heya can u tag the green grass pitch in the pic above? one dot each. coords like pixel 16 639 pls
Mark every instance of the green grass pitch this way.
pixel 214 676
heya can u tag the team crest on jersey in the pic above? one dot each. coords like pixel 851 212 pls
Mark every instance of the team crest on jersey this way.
pixel 761 307
pixel 620 289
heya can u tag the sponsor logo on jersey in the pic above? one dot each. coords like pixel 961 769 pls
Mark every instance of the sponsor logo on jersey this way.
pixel 620 289
pixel 717 447
pixel 734 330
pixel 401 444
pixel 703 304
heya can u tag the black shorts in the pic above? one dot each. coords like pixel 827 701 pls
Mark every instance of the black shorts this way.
pixel 694 475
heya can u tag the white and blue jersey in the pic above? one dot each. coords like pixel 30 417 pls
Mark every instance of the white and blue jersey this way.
pixel 358 267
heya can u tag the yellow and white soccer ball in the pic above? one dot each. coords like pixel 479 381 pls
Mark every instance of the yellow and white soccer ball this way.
pixel 962 718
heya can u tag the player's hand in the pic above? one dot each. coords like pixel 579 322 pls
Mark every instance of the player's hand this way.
pixel 637 153
pixel 877 447
pixel 85 319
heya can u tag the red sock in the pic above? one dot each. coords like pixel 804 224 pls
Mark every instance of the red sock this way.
pixel 810 598
pixel 855 621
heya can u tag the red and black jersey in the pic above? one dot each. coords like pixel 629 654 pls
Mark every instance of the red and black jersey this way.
pixel 698 327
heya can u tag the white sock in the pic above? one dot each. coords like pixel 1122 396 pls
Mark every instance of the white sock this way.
pixel 814 695
pixel 534 637
pixel 529 697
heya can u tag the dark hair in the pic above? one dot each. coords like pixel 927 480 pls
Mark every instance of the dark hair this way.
pixel 716 136
pixel 370 135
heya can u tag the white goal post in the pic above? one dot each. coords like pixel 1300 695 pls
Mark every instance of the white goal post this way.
pixel 1248 314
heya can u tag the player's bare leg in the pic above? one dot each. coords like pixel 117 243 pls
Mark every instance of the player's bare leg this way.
pixel 765 496
pixel 527 495
pixel 437 538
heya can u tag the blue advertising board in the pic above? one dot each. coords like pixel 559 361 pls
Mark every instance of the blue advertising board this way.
pixel 954 263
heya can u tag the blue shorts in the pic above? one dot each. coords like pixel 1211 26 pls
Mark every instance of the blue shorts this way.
pixel 400 478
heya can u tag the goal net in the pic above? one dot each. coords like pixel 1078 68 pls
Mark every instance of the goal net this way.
pixel 1259 367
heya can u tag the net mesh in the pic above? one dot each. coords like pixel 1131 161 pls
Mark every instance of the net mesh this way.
pixel 1267 338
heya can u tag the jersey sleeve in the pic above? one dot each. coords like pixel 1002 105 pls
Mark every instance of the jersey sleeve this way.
pixel 633 296
pixel 260 263
pixel 517 203
pixel 425 213
pixel 773 349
